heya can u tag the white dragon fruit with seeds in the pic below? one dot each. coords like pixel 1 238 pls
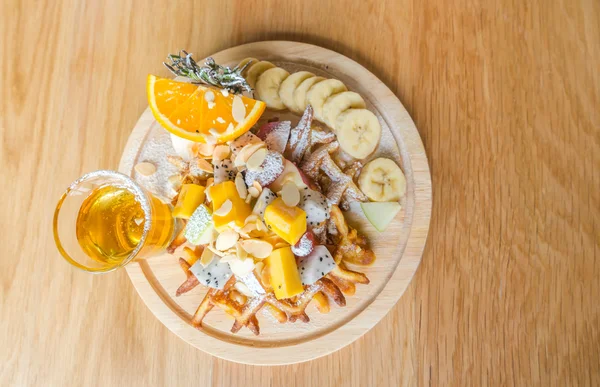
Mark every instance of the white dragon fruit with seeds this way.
pixel 316 265
pixel 315 205
pixel 275 135
pixel 269 170
pixel 224 171
pixel 214 275
pixel 305 245
pixel 243 140
pixel 266 197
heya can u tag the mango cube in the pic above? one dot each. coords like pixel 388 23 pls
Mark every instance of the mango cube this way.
pixel 289 223
pixel 190 197
pixel 240 210
pixel 285 278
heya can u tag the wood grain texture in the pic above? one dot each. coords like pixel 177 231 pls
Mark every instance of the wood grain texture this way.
pixel 505 95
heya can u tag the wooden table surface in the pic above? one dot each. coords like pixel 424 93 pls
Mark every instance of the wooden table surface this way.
pixel 506 96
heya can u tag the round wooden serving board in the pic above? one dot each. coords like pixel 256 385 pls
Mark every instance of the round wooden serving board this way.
pixel 398 249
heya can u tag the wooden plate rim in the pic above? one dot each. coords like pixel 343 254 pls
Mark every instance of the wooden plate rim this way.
pixel 393 112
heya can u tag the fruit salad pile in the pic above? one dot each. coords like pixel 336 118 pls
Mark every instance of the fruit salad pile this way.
pixel 260 197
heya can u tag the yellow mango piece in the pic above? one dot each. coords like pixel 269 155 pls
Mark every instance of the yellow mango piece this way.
pixel 240 210
pixel 190 197
pixel 289 223
pixel 285 278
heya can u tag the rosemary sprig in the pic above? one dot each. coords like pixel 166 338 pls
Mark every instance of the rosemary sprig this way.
pixel 211 73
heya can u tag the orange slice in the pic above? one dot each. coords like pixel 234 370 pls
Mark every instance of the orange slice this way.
pixel 200 113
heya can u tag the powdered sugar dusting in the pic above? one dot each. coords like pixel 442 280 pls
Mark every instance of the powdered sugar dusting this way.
pixel 269 170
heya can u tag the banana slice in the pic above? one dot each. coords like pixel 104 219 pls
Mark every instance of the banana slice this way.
pixel 255 70
pixel 289 86
pixel 300 93
pixel 382 180
pixel 317 95
pixel 339 103
pixel 267 87
pixel 243 63
pixel 358 132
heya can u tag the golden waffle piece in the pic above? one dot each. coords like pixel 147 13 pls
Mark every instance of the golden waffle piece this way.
pixel 341 189
pixel 244 308
pixel 352 247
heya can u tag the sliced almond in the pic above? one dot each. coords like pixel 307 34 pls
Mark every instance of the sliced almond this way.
pixel 221 152
pixel 242 288
pixel 251 218
pixel 280 245
pixel 175 181
pixel 229 258
pixel 247 151
pixel 241 268
pixel 209 96
pixel 290 194
pixel 204 165
pixel 226 240
pixel 256 159
pixel 258 267
pixel 247 229
pixel 206 257
pixel 205 150
pixel 253 192
pixel 258 187
pixel 212 248
pixel 240 252
pixel 238 110
pixel 225 208
pixel 240 185
pixel 260 226
pixel 145 168
pixel 257 248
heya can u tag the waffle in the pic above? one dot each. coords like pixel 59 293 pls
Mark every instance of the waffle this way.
pixel 244 307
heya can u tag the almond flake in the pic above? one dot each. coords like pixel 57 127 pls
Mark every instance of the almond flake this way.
pixel 255 161
pixel 145 169
pixel 257 248
pixel 240 185
pixel 260 226
pixel 241 268
pixel 251 218
pixel 221 152
pixel 240 252
pixel 258 187
pixel 259 266
pixel 226 240
pixel 238 110
pixel 225 92
pixel 206 257
pixel 247 229
pixel 215 251
pixel 209 96
pixel 138 221
pixel 253 192
pixel 290 194
pixel 242 288
pixel 205 150
pixel 175 181
pixel 248 199
pixel 228 258
pixel 204 166
pixel 224 209
pixel 247 151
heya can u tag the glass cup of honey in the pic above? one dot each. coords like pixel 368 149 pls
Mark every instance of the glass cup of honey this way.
pixel 105 220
